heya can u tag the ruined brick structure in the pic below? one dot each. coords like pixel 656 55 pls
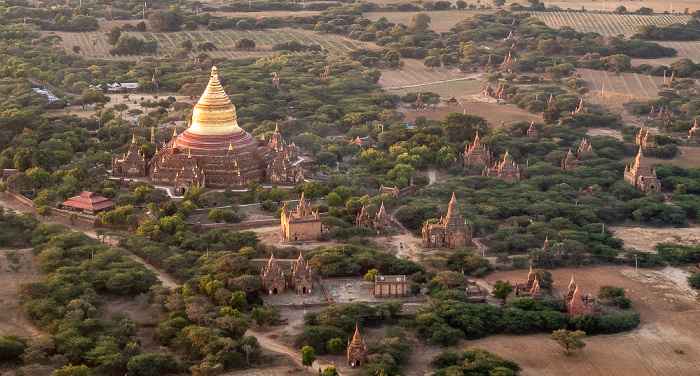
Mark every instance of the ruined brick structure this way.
pixel 693 132
pixel 272 278
pixel 577 304
pixel 276 81
pixel 213 152
pixel 399 193
pixel 300 277
pixel 645 140
pixel 357 350
pixel 475 154
pixel 572 161
pixel 533 131
pixel 450 232
pixel 389 286
pixel 550 102
pixel 133 163
pixel 530 289
pixel 376 222
pixel 506 170
pixel 363 142
pixel 452 101
pixel 581 109
pixel 301 224
pixel 641 175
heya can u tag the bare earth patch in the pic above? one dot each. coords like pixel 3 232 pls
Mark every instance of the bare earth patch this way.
pixel 644 239
pixel 494 113
pixel 669 314
pixel 12 275
pixel 689 157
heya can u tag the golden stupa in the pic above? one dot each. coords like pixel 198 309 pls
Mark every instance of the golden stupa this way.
pixel 213 151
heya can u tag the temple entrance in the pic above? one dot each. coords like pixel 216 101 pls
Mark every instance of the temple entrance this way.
pixel 274 291
pixel 303 290
pixel 295 238
pixel 358 363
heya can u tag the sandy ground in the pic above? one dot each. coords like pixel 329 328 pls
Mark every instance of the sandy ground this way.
pixel 494 113
pixel 440 21
pixel 12 275
pixel 669 314
pixel 605 132
pixel 689 157
pixel 644 239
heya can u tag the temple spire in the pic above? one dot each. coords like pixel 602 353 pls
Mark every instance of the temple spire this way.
pixel 452 209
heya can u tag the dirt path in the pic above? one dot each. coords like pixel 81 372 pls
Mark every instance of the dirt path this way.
pixel 19 207
pixel 275 345
pixel 12 275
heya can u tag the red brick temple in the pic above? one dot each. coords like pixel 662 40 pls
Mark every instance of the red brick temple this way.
pixel 213 152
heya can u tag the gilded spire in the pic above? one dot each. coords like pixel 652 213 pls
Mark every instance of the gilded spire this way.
pixel 230 146
pixel 133 138
pixel 214 114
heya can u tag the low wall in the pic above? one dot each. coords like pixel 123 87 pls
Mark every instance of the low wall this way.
pixel 54 211
pixel 199 227
pixel 325 291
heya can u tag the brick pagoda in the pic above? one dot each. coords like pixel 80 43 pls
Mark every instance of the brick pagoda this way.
pixel 213 151
pixel 641 175
pixel 452 231
pixel 133 163
pixel 506 170
pixel 475 154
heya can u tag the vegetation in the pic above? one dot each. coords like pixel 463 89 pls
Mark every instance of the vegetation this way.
pixel 473 360
pixel 569 340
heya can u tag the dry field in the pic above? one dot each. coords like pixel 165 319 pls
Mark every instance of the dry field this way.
pixel 223 39
pixel 632 84
pixel 606 23
pixel 689 157
pixel 690 50
pixel 440 21
pixel 493 112
pixel 644 239
pixel 12 275
pixel 414 75
pixel 658 6
pixel 669 314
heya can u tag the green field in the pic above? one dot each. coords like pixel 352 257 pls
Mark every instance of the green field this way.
pixel 223 39
pixel 606 23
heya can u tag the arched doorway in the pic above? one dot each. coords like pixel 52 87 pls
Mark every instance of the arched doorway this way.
pixel 303 290
pixel 274 291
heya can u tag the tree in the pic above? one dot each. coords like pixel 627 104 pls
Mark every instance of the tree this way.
pixel 432 61
pixel 499 3
pixel 76 49
pixel 335 345
pixel 113 35
pixel 165 20
pixel 308 356
pixel 459 127
pixel 45 211
pixel 244 43
pixel 369 277
pixel 71 370
pixel 621 9
pixel 569 340
pixel 260 315
pixel 501 289
pixel 72 216
pixel 419 22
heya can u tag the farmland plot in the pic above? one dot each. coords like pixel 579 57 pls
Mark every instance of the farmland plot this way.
pixel 606 23
pixel 690 50
pixel 632 84
pixel 658 6
pixel 223 39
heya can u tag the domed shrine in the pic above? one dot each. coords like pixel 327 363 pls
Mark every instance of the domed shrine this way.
pixel 214 152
